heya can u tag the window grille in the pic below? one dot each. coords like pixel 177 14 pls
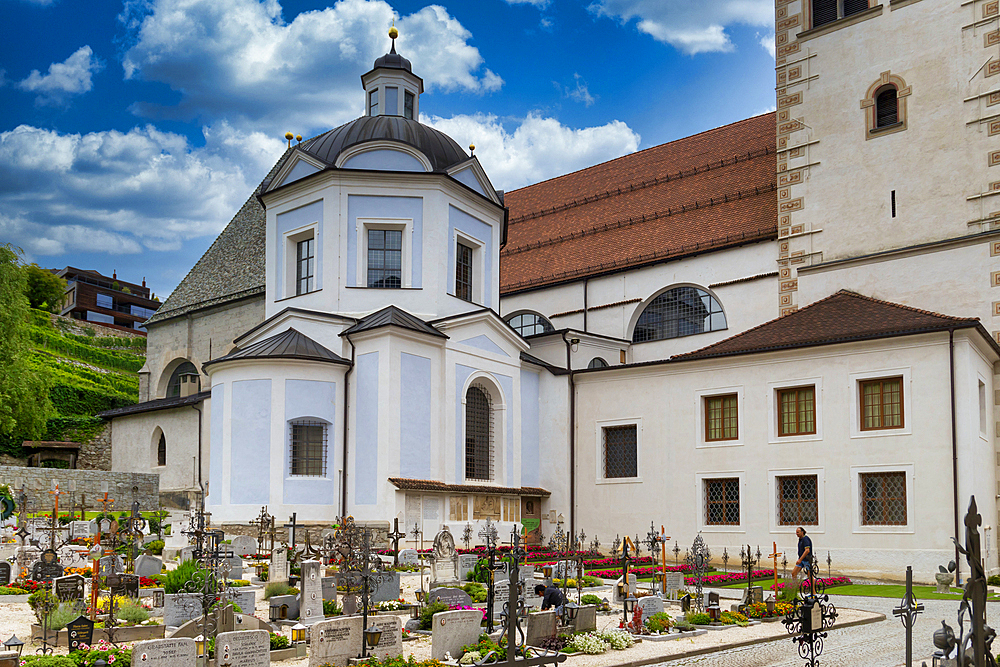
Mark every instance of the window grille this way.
pixel 161 451
pixel 529 324
pixel 621 457
pixel 882 404
pixel 478 434
pixel 797 501
pixel 463 272
pixel 828 11
pixel 385 258
pixel 682 311
pixel 721 418
pixel 308 448
pixel 305 266
pixel 597 362
pixel 886 107
pixel 883 499
pixel 797 411
pixel 722 501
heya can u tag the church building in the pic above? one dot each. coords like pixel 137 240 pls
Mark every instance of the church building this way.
pixel 785 321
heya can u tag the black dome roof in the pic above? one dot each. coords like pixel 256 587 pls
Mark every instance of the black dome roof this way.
pixel 393 60
pixel 441 150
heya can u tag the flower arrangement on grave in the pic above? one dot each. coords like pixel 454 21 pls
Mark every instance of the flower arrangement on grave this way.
pixel 388 605
pixel 659 623
pixel 279 642
pixel 827 583
pixel 82 571
pixel 734 618
pixel 398 661
pixel 589 643
pixel 87 656
pixel 635 626
pixel 759 610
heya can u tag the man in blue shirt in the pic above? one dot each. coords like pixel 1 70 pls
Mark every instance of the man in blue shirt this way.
pixel 804 562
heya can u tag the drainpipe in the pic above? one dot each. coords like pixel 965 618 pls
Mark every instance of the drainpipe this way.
pixel 954 452
pixel 343 475
pixel 585 290
pixel 572 437
pixel 200 485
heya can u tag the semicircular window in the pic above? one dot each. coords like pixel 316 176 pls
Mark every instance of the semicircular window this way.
pixel 184 374
pixel 597 362
pixel 529 324
pixel 682 311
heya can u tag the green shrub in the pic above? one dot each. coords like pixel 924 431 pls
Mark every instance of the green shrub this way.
pixel 39 596
pixel 156 547
pixel 590 598
pixel 427 614
pixel 63 614
pixel 11 590
pixel 330 608
pixel 133 612
pixel 476 591
pixel 47 661
pixel 238 583
pixel 111 656
pixel 994 580
pixel 279 642
pixel 683 625
pixel 175 580
pixel 277 588
pixel 486 645
pixel 659 622
pixel 698 619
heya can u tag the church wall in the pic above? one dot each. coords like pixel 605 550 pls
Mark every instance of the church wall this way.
pixel 530 408
pixel 415 416
pixel 250 449
pixel 136 436
pixel 309 216
pixel 674 460
pixel 367 426
pixel 315 400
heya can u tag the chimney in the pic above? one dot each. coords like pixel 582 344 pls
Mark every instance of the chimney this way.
pixel 114 274
pixel 144 281
pixel 190 384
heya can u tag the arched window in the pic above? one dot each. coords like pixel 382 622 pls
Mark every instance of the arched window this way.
pixel 529 324
pixel 161 451
pixel 597 362
pixel 681 311
pixel 183 375
pixel 886 107
pixel 478 434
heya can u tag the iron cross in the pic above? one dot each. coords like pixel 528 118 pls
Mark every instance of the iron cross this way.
pixel 395 536
pixel 907 612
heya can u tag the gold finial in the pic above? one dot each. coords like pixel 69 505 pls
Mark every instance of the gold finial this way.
pixel 393 33
pixel 298 138
pixel 289 136
pixel 472 148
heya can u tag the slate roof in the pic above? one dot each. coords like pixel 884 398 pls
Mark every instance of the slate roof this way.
pixel 289 344
pixel 705 192
pixel 157 404
pixel 432 485
pixel 840 318
pixel 393 316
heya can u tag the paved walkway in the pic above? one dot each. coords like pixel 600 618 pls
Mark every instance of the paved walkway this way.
pixel 874 645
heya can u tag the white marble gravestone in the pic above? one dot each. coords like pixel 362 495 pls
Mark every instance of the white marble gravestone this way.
pixel 444 560
pixel 409 557
pixel 246 648
pixel 675 582
pixel 165 653
pixel 148 566
pixel 311 608
pixel 337 640
pixel 466 564
pixel 451 630
pixel 650 604
pixel 278 569
pixel 244 545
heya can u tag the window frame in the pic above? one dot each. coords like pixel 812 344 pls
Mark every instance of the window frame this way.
pixel 869 105
pixel 774 412
pixel 412 99
pixel 858 525
pixel 700 490
pixel 386 253
pixel 984 406
pixel 492 474
pixel 701 421
pixel 404 225
pixel 522 313
pixel 291 240
pixel 648 304
pixel 600 426
pixel 705 400
pixel 840 14
pixel 324 459
pixel 161 451
pixel 861 405
pixel 373 107
pixel 773 489
pixel 310 279
pixel 464 289
pixel 780 412
pixel 478 267
pixel 856 412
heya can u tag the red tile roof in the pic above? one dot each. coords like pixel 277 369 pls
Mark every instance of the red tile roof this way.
pixel 708 191
pixel 842 317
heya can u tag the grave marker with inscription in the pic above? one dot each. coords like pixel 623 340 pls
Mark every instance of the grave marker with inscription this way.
pixel 278 569
pixel 246 648
pixel 311 609
pixel 80 631
pixel 68 588
pixel 178 652
pixel 336 641
pixel 4 573
pixel 451 630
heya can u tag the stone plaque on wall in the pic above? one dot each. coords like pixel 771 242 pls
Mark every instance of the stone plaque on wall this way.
pixel 486 507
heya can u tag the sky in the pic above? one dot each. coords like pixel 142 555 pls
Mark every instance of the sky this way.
pixel 131 131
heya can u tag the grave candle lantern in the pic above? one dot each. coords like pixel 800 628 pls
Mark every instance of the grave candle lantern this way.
pixel 298 633
pixel 372 635
pixel 14 644
pixel 199 644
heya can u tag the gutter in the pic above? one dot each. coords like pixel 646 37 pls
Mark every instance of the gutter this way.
pixel 343 476
pixel 572 439
pixel 954 452
pixel 198 408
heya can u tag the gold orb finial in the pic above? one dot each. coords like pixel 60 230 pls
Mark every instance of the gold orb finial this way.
pixel 288 136
pixel 393 33
pixel 472 148
pixel 298 138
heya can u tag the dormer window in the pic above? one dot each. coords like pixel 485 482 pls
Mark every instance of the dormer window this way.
pixel 373 103
pixel 408 105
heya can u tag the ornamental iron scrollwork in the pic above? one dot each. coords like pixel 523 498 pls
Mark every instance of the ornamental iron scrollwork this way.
pixel 811 616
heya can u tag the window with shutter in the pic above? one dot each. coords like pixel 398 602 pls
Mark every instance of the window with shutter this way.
pixel 886 107
pixel 824 11
pixel 854 6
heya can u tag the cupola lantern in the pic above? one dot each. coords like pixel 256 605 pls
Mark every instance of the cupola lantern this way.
pixel 391 88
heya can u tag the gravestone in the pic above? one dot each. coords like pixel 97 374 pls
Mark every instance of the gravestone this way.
pixel 453 597
pixel 110 565
pixel 618 599
pixel 752 595
pixel 444 560
pixel 451 630
pixel 501 594
pixel 244 597
pixel 312 593
pixel 330 588
pixel 564 567
pixel 4 573
pixel 80 631
pixel 186 554
pixel 586 618
pixel 244 545
pixel 409 557
pixel 349 604
pixel 246 648
pixel 388 589
pixel 278 569
pixel 9 659
pixel 466 564
pixel 650 604
pixel 68 588
pixel 675 582
pixel 148 566
pixel 336 641
pixel 47 567
pixel 179 608
pixel 124 584
pixel 178 652
pixel 79 529
pixel 235 565
pixel 158 597
pixel 284 607
pixel 541 626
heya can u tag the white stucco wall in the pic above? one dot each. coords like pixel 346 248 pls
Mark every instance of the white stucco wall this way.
pixel 135 439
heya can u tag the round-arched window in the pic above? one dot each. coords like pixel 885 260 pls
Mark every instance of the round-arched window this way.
pixel 478 434
pixel 597 362
pixel 183 374
pixel 529 324
pixel 681 311
pixel 886 106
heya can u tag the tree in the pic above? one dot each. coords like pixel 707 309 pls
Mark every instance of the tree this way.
pixel 44 289
pixel 24 387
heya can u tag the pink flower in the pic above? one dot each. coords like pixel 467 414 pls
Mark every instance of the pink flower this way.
pixel 111 658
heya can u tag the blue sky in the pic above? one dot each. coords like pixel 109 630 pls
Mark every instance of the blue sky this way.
pixel 132 130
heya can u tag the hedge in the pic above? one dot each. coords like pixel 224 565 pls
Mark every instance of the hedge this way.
pixel 51 340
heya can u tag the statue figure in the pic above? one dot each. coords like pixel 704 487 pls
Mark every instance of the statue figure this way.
pixel 444 544
pixel 444 560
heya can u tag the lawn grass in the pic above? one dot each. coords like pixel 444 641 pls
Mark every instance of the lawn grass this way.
pixel 876 590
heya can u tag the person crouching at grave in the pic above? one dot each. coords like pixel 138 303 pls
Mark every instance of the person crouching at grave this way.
pixel 552 597
pixel 804 562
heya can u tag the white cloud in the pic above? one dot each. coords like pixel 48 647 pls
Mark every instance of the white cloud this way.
pixel 767 41
pixel 579 92
pixel 691 26
pixel 240 60
pixel 541 4
pixel 116 192
pixel 539 148
pixel 65 79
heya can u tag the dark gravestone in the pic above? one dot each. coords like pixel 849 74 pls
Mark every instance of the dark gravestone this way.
pixel 4 573
pixel 158 598
pixel 69 588
pixel 80 631
pixel 453 597
pixel 329 588
pixel 47 568
pixel 124 584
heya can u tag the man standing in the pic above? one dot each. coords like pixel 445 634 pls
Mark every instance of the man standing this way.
pixel 552 597
pixel 804 562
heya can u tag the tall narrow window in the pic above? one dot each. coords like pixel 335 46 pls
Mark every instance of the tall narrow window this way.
pixel 881 404
pixel 463 272
pixel 721 418
pixel 408 105
pixel 308 448
pixel 797 500
pixel 161 451
pixel 478 434
pixel 373 103
pixel 886 107
pixel 883 499
pixel 797 411
pixel 385 258
pixel 305 266
pixel 621 456
pixel 722 501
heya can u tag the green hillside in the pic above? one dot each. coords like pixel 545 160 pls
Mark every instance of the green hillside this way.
pixel 91 370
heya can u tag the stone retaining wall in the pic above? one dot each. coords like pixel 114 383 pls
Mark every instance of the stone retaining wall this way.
pixel 38 483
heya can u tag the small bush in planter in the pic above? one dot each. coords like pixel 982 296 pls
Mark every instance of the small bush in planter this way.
pixel 133 613
pixel 47 661
pixel 175 580
pixel 156 547
pixel 427 615
pixel 10 590
pixel 277 588
pixel 659 622
pixel 279 642
pixel 699 619
pixel 590 598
